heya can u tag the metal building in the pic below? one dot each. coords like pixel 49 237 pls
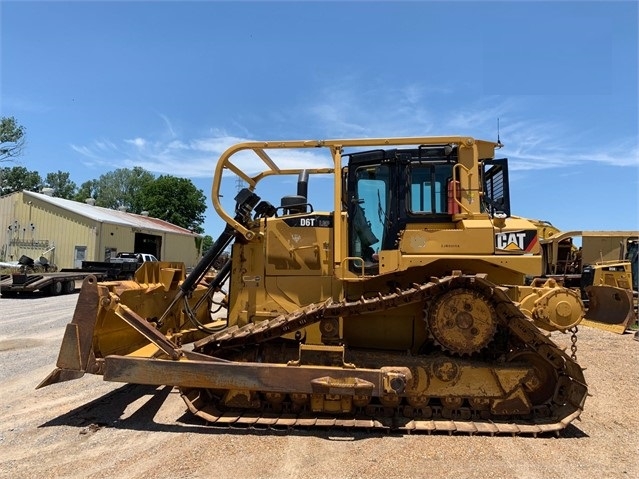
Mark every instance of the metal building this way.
pixel 67 232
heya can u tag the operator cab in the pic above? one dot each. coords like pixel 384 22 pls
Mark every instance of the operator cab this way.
pixel 387 189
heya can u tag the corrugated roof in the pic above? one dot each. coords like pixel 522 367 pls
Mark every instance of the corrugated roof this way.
pixel 106 215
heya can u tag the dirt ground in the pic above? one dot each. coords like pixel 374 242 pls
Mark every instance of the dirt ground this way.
pixel 93 429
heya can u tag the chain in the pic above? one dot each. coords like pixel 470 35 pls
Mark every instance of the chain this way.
pixel 573 346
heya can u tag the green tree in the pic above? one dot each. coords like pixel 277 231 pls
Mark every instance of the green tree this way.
pixel 60 182
pixel 88 189
pixel 12 139
pixel 18 178
pixel 207 242
pixel 122 187
pixel 176 200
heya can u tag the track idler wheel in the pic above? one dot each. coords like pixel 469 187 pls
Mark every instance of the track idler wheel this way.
pixel 462 321
pixel 541 386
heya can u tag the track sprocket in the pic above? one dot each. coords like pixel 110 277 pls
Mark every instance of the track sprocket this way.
pixel 462 321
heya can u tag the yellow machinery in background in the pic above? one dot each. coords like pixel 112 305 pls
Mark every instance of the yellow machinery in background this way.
pixel 602 265
pixel 403 305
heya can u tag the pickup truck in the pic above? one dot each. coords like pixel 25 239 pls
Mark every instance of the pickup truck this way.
pixel 139 257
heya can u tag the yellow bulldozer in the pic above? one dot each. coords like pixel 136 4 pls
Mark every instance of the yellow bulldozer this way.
pixel 402 305
pixel 602 265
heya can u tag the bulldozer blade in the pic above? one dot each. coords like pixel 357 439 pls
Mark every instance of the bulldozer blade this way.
pixel 609 308
pixel 60 375
pixel 75 357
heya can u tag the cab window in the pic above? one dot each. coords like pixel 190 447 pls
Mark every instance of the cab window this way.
pixel 429 187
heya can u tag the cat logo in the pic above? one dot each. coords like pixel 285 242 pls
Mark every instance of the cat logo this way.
pixel 516 241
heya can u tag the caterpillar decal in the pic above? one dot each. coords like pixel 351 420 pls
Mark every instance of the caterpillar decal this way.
pixel 512 241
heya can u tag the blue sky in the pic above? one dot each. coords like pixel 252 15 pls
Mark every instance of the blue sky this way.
pixel 168 86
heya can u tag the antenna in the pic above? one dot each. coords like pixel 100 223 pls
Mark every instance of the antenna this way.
pixel 499 143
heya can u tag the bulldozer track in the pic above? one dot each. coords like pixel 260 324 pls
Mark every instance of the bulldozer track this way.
pixel 552 416
pixel 434 425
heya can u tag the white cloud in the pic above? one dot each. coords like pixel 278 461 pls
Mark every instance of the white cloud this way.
pixel 84 151
pixel 169 126
pixel 137 142
pixel 345 111
pixel 536 145
pixel 193 158
pixel 413 111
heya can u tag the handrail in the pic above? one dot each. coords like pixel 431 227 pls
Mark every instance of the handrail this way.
pixel 336 146
pixel 469 189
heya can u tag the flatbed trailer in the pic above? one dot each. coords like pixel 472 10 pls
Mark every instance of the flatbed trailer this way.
pixel 52 284
pixel 113 270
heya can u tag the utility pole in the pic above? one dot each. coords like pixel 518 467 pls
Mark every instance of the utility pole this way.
pixel 239 184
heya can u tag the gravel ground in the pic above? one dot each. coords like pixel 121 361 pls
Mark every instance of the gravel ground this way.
pixel 90 428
